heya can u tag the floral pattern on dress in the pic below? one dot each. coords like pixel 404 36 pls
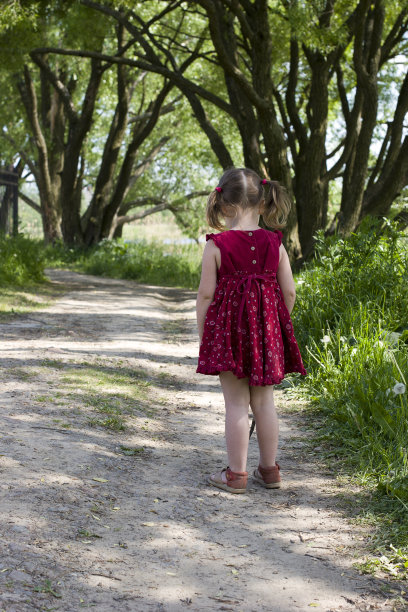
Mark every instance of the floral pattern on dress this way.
pixel 248 329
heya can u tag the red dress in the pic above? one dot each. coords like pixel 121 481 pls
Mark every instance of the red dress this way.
pixel 248 329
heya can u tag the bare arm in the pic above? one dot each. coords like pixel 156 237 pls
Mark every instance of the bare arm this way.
pixel 208 283
pixel 285 279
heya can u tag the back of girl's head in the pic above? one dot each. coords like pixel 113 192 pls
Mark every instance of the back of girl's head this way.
pixel 243 188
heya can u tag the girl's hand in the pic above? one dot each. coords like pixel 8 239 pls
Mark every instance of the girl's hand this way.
pixel 208 283
pixel 285 279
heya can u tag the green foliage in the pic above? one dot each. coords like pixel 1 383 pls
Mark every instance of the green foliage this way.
pixel 21 261
pixel 13 12
pixel 394 563
pixel 147 262
pixel 351 318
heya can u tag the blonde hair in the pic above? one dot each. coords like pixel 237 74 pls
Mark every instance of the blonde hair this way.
pixel 242 187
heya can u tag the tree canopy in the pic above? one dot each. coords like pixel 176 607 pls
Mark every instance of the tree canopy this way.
pixel 145 102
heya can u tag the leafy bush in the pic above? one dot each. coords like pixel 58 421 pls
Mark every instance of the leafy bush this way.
pixel 21 261
pixel 153 263
pixel 351 319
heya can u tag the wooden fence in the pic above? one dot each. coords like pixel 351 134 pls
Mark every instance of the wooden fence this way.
pixel 8 201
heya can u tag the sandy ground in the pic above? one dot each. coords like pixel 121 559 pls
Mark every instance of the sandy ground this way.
pixel 148 533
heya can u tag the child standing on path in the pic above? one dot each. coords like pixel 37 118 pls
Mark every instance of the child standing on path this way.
pixel 244 301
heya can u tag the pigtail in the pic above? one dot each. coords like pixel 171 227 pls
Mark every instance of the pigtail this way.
pixel 277 204
pixel 214 211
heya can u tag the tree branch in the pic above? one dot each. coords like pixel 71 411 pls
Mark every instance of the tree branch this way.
pixel 60 88
pixel 159 204
pixel 167 108
pixel 230 67
pixel 29 201
pixel 140 215
pixel 395 35
pixel 176 78
pixel 298 126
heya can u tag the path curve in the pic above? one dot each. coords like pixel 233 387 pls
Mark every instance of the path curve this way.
pixel 84 525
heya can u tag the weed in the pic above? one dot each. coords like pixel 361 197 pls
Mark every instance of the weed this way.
pixel 128 450
pixel 43 399
pixel 83 533
pixel 394 563
pixel 53 363
pixel 113 422
pixel 46 587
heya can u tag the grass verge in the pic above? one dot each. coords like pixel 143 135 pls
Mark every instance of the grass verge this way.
pixel 154 263
pixel 351 321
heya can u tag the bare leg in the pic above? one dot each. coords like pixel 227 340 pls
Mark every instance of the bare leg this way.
pixel 236 396
pixel 267 425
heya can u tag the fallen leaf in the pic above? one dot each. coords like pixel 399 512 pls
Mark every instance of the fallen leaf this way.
pixel 95 517
pixel 171 573
pixel 234 571
pixel 100 479
pixel 148 524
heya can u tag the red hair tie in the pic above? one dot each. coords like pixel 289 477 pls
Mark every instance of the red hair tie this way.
pixel 264 181
pixel 219 189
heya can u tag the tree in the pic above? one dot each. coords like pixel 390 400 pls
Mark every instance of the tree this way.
pixel 301 84
pixel 61 99
pixel 329 57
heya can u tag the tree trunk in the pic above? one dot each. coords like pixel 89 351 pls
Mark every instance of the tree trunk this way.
pixel 93 220
pixel 367 55
pixel 140 133
pixel 311 189
pixel 49 214
pixel 71 182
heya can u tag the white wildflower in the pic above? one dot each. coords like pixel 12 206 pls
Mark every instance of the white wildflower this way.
pixel 353 352
pixel 388 391
pixel 343 339
pixel 391 338
pixel 325 339
pixel 399 389
pixel 300 282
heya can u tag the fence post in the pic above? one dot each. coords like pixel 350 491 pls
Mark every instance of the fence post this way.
pixel 9 200
pixel 15 206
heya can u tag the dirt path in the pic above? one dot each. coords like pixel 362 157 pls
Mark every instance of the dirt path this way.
pixel 87 524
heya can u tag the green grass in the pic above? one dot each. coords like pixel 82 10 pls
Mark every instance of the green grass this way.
pixel 113 392
pixel 23 287
pixel 21 261
pixel 149 262
pixel 351 320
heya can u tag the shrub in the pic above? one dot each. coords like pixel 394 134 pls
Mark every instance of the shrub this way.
pixel 21 261
pixel 151 263
pixel 351 319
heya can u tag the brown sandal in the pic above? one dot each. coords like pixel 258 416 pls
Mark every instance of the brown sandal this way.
pixel 268 477
pixel 236 481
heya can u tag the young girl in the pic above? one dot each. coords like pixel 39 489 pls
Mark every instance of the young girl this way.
pixel 244 302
